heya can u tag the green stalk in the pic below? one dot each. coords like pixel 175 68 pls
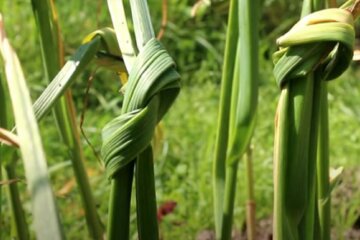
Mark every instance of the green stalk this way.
pixel 248 97
pixel 243 104
pixel 307 226
pixel 64 111
pixel 18 215
pixel 146 196
pixel 222 134
pixel 120 204
pixel 231 169
pixel 229 200
pixel 281 153
pixel 323 183
pixel 291 201
pixel 238 103
pixel 250 205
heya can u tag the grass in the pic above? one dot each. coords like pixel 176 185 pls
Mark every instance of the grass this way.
pixel 183 166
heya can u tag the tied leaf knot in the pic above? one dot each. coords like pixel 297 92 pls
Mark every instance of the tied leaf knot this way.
pixel 152 88
pixel 322 41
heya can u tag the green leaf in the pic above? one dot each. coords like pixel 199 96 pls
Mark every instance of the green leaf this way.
pixel 46 218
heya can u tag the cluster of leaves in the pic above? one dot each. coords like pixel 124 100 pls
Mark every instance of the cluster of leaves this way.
pixel 183 166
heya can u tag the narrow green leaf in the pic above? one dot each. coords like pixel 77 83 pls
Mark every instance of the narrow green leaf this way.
pixel 43 202
pixel 142 22
pixel 82 57
pixel 8 159
pixel 64 110
pixel 119 20
pixel 245 106
pixel 222 134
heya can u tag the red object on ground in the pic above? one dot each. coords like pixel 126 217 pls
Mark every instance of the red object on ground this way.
pixel 165 209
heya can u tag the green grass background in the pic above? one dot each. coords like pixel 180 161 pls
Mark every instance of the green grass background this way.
pixel 184 162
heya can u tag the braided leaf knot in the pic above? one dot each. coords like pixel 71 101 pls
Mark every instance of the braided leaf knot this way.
pixel 152 88
pixel 322 41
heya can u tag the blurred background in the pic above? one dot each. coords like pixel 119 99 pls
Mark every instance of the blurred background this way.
pixel 194 37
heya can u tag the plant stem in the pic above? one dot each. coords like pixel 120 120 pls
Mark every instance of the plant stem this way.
pixel 243 103
pixel 281 153
pixel 250 205
pixel 291 174
pixel 229 200
pixel 120 204
pixel 64 110
pixel 307 226
pixel 16 206
pixel 224 115
pixel 247 96
pixel 231 169
pixel 164 8
pixel 323 184
pixel 238 103
pixel 146 196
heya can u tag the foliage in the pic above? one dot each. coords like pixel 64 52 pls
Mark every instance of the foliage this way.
pixel 183 165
